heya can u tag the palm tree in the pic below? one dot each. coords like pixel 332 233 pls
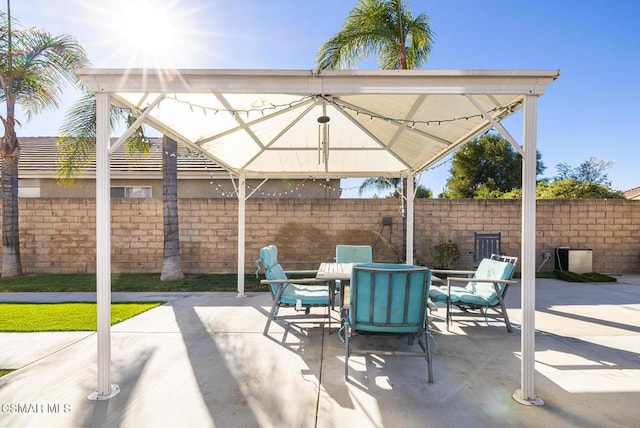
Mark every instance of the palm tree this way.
pixel 34 66
pixel 77 146
pixel 171 263
pixel 385 184
pixel 386 28
pixel 383 27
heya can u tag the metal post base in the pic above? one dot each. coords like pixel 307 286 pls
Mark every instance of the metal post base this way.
pixel 240 295
pixel 517 395
pixel 115 389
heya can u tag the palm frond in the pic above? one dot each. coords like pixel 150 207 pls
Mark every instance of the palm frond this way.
pixel 74 153
pixel 77 142
pixel 42 66
pixel 385 28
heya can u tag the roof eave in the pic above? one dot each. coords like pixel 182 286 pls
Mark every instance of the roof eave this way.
pixel 335 82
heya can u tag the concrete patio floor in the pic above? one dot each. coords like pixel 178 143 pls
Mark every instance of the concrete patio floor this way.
pixel 201 360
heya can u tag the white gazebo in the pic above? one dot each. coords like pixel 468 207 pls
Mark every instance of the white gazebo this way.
pixel 319 124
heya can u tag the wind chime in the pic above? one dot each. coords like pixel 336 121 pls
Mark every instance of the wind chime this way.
pixel 323 137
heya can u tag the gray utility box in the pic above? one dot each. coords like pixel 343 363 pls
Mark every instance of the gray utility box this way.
pixel 574 259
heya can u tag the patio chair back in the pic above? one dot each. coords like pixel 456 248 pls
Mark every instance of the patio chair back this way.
pixel 389 298
pixel 354 254
pixel 484 245
pixel 272 269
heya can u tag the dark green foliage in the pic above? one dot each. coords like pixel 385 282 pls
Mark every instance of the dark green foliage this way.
pixel 129 282
pixel 487 167
pixel 583 277
pixel 571 188
pixel 445 254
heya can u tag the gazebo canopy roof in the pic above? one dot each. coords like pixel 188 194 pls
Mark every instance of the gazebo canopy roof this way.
pixel 273 123
pixel 334 124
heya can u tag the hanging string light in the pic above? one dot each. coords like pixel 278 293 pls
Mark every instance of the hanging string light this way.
pixel 338 103
pixel 242 112
pixel 294 189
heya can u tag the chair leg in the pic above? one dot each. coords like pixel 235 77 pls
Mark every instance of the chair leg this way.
pixel 346 349
pixel 272 316
pixel 274 309
pixel 504 314
pixel 428 356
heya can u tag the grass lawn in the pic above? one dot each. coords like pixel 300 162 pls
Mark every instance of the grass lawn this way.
pixel 130 282
pixel 30 317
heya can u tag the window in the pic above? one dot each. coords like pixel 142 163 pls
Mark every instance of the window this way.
pixel 131 192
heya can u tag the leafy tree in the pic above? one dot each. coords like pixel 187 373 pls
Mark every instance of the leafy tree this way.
pixel 77 146
pixel 590 171
pixel 486 167
pixel 588 181
pixel 569 188
pixel 385 28
pixel 35 67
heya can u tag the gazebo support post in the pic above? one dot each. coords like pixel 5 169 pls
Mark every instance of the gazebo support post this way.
pixel 410 219
pixel 105 389
pixel 526 395
pixel 242 186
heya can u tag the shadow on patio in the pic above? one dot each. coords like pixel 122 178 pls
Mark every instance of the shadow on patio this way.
pixel 202 360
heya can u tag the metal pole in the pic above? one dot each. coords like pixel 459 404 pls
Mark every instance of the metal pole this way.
pixel 410 219
pixel 241 232
pixel 105 389
pixel 526 395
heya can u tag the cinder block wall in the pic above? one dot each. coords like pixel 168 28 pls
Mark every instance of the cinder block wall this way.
pixel 58 234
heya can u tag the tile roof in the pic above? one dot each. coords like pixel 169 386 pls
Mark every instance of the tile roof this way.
pixel 632 193
pixel 38 156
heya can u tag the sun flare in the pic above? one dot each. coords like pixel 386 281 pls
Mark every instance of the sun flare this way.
pixel 146 33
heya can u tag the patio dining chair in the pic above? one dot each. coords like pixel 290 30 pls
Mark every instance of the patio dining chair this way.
pixel 484 245
pixel 484 289
pixel 299 293
pixel 388 300
pixel 351 254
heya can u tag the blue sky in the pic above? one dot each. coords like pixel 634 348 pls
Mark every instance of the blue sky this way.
pixel 588 112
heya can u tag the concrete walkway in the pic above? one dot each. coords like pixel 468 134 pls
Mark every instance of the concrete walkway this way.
pixel 201 360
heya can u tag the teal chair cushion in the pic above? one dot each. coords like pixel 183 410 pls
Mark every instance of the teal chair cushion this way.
pixel 390 298
pixel 480 299
pixel 477 293
pixel 484 293
pixel 308 294
pixel 439 293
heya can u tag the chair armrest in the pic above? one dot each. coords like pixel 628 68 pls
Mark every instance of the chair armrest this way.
pixel 436 279
pixel 301 272
pixel 495 283
pixel 452 272
pixel 303 281
pixel 501 281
